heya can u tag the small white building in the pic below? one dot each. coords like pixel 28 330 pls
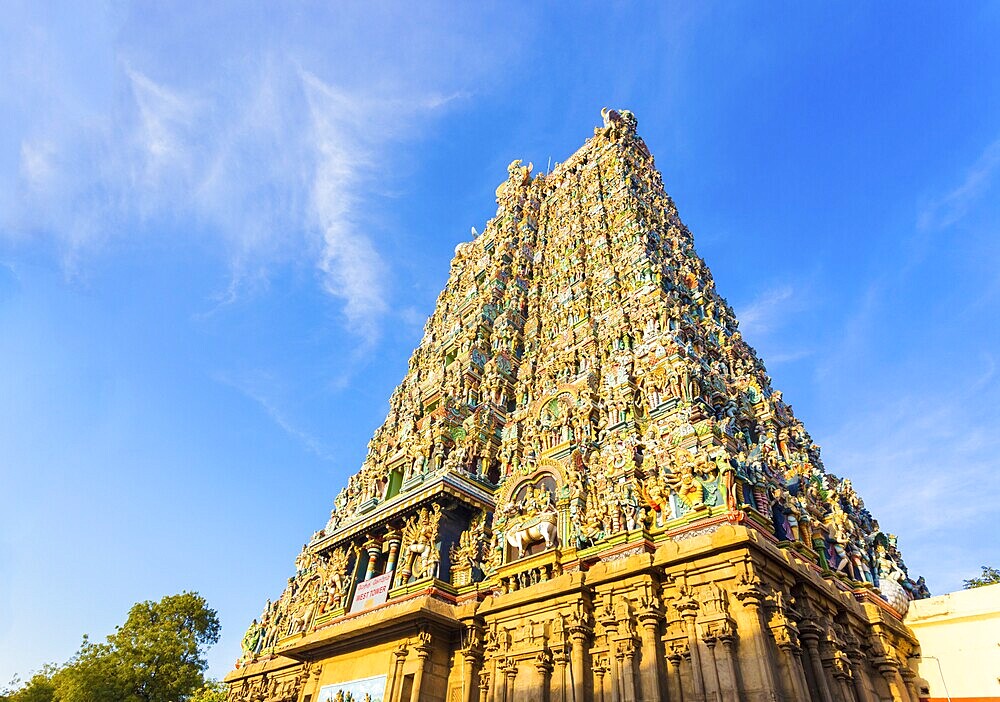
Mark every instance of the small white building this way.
pixel 959 637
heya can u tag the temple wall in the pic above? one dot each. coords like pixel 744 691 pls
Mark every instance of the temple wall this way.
pixel 722 614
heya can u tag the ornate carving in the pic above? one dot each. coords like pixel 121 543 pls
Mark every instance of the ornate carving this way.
pixel 581 390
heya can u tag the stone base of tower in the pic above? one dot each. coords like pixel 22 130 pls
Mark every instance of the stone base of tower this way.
pixel 721 612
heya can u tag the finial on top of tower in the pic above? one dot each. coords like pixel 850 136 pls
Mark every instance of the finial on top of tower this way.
pixel 617 123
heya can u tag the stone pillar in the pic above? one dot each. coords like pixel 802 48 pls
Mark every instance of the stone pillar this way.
pixel 472 661
pixel 510 672
pixel 649 670
pixel 786 636
pixel 544 667
pixel 396 679
pixel 810 635
pixel 599 672
pixel 484 685
pixel 909 679
pixel 374 548
pixel 626 661
pixel 578 636
pixel 688 608
pixel 394 538
pixel 860 689
pixel 710 641
pixel 497 688
pixel 677 685
pixel 844 679
pixel 423 651
pixel 890 672
pixel 615 661
pixel 800 671
pixel 728 640
pixel 561 660
pixel 752 596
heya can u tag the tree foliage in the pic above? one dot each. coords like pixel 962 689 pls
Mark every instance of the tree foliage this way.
pixel 989 576
pixel 210 692
pixel 157 655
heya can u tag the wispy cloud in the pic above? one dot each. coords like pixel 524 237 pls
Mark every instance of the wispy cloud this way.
pixel 260 388
pixel 165 118
pixel 763 322
pixel 955 204
pixel 925 463
pixel 352 268
pixel 766 311
pixel 279 170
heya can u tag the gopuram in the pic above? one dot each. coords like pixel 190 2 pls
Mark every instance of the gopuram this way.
pixel 587 489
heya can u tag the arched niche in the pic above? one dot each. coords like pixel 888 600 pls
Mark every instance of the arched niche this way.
pixel 532 514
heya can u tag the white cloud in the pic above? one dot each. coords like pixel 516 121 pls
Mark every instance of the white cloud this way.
pixel 923 458
pixel 279 168
pixel 260 387
pixel 164 118
pixel 37 167
pixel 765 320
pixel 954 205
pixel 766 311
pixel 352 268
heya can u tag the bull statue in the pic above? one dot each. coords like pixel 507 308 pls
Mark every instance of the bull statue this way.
pixel 532 520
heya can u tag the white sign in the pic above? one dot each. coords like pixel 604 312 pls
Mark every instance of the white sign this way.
pixel 364 690
pixel 370 593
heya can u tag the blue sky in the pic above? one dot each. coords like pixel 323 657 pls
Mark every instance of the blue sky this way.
pixel 221 230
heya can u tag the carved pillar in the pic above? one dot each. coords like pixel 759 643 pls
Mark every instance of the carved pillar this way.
pixel 599 671
pixel 890 671
pixel 510 672
pixel 484 685
pixel 497 690
pixel 578 636
pixel 615 674
pixel 614 658
pixel 842 674
pixel 800 670
pixel 544 667
pixel 472 661
pixel 810 634
pixel 710 641
pixel 315 675
pixel 423 651
pixel 396 679
pixel 472 658
pixel 688 608
pixel 626 659
pixel 860 688
pixel 374 548
pixel 561 660
pixel 752 596
pixel 394 538
pixel 727 637
pixel 909 679
pixel 786 635
pixel 649 671
pixel 676 684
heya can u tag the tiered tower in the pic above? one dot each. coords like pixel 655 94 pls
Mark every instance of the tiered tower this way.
pixel 586 489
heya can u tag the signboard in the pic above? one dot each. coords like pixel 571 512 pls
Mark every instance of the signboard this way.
pixel 364 690
pixel 370 593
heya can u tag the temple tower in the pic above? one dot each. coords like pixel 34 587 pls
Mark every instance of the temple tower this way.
pixel 587 489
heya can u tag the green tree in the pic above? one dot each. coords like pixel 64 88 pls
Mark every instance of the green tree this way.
pixel 157 655
pixel 989 576
pixel 40 688
pixel 212 691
